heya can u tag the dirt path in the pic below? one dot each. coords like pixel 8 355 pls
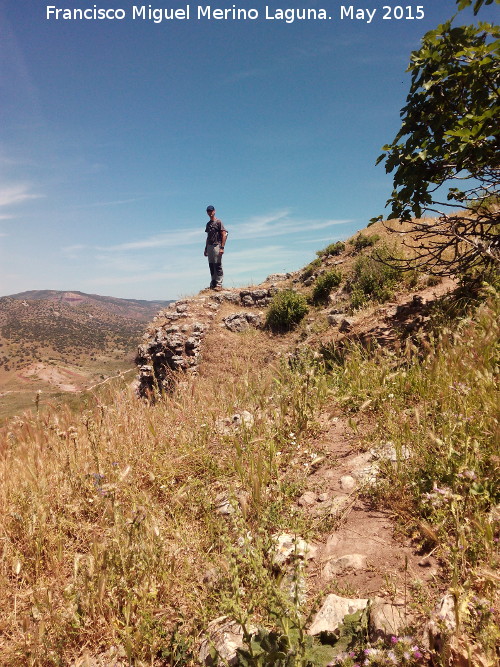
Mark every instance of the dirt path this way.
pixel 358 555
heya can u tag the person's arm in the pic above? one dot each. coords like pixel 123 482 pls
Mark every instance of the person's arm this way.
pixel 223 240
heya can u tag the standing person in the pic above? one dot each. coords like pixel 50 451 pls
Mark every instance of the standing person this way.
pixel 214 247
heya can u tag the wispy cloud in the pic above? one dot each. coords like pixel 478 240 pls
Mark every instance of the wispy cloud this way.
pixel 270 259
pixel 116 202
pixel 169 239
pixel 16 193
pixel 167 277
pixel 279 223
pixel 73 251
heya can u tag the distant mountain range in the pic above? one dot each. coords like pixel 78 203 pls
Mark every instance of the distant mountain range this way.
pixel 132 305
pixel 65 341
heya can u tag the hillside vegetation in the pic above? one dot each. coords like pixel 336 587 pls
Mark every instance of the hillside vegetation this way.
pixel 59 342
pixel 129 526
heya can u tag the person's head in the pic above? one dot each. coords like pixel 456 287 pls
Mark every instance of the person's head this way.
pixel 211 211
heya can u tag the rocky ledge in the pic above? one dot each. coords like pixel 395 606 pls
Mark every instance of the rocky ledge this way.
pixel 173 341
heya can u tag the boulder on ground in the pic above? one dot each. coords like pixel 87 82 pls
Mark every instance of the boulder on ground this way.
pixel 332 613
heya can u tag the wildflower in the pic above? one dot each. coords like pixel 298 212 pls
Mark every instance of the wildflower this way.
pixel 394 640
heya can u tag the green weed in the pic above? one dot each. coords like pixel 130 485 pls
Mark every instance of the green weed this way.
pixel 362 241
pixel 311 268
pixel 332 249
pixel 373 278
pixel 287 308
pixel 324 285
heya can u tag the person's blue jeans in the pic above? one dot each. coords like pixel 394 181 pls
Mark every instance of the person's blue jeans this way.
pixel 215 264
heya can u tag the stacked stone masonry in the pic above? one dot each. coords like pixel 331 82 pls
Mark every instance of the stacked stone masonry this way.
pixel 173 341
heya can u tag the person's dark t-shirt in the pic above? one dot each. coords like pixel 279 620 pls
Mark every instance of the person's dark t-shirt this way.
pixel 214 229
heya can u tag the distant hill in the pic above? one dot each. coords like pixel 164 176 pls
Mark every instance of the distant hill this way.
pixel 129 306
pixel 65 341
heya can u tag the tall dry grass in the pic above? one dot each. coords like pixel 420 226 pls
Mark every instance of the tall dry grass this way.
pixel 112 538
pixel 110 532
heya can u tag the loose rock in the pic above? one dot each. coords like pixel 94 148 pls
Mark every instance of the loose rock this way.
pixel 346 563
pixel 332 613
pixel 386 620
pixel 226 637
pixel 347 483
pixel 289 547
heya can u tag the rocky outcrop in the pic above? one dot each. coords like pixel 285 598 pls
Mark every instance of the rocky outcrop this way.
pixel 173 342
pixel 242 321
pixel 257 297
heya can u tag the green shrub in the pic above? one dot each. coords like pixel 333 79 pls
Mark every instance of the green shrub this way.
pixel 286 310
pixel 361 241
pixel 358 298
pixel 332 249
pixel 325 284
pixel 373 279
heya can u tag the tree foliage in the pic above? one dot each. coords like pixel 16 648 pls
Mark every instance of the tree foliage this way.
pixel 477 4
pixel 445 157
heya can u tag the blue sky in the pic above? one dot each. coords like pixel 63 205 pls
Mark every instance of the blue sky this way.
pixel 116 134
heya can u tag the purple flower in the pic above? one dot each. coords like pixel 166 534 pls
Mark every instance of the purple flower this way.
pixel 394 640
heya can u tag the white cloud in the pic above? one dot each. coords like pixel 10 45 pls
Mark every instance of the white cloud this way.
pixel 169 277
pixel 16 193
pixel 72 251
pixel 268 259
pixel 265 226
pixel 115 202
pixel 176 238
pixel 280 223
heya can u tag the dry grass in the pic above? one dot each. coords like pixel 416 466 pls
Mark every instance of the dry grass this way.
pixel 112 540
pixel 110 532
